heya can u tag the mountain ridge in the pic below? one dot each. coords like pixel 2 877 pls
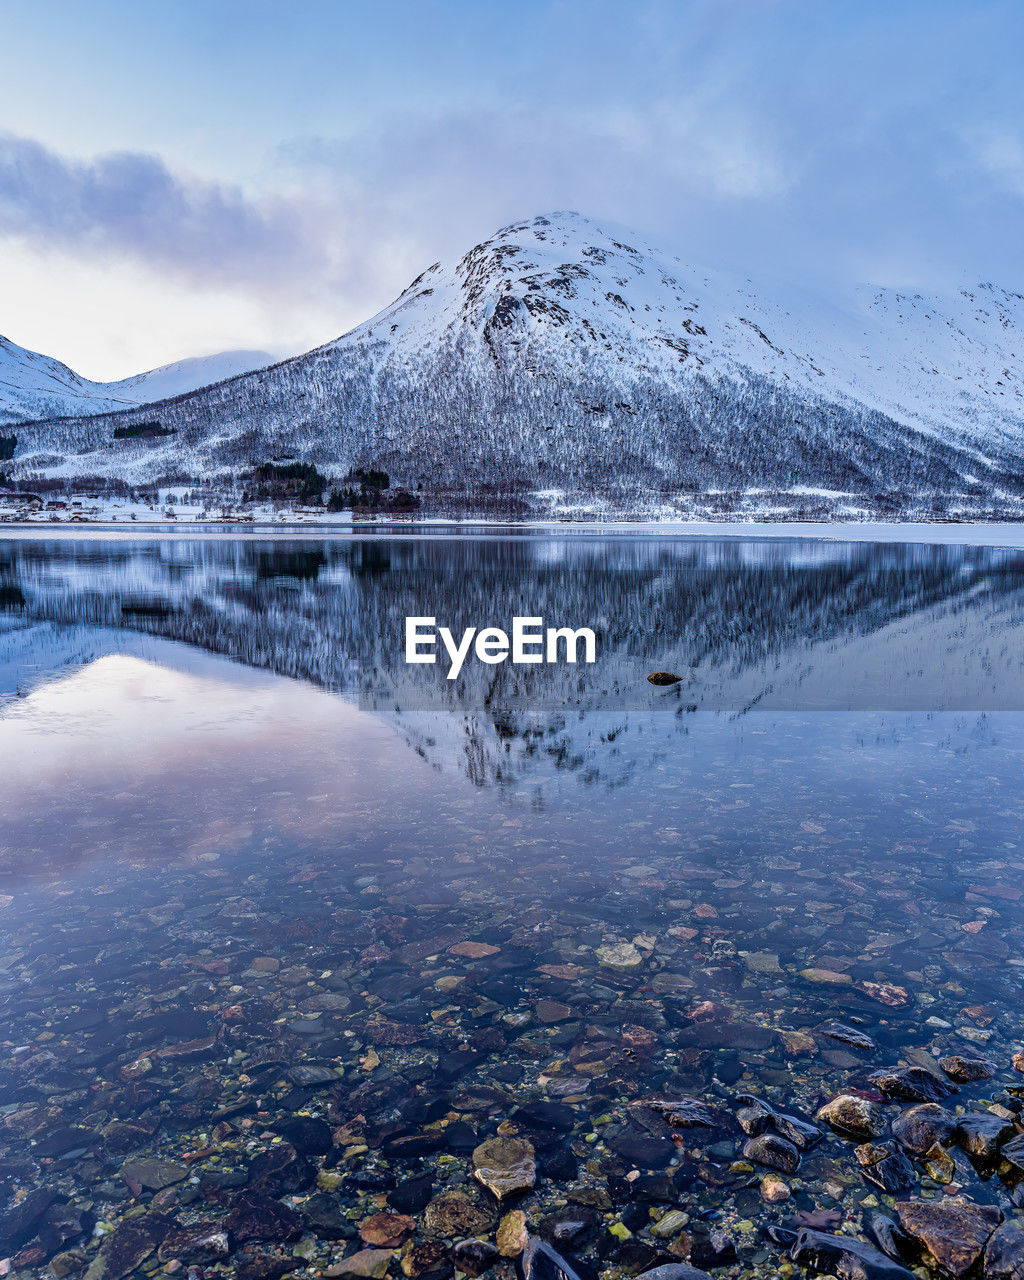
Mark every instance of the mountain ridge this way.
pixel 33 385
pixel 558 357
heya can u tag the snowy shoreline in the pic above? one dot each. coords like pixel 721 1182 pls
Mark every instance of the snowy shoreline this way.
pixel 937 534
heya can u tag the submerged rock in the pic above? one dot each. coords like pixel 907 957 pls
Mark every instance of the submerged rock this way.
pixel 981 1134
pixel 675 1271
pixel 541 1262
pixel 386 1230
pixel 772 1151
pixel 198 1242
pixel 845 1034
pixel 964 1070
pixel 620 956
pixel 128 1246
pixel 21 1221
pixel 323 1216
pixel 1013 1151
pixel 505 1166
pixel 884 1165
pixel 154 1175
pixel 920 1128
pixel 1004 1254
pixel 757 1116
pixel 911 1084
pixel 850 1115
pixel 309 1136
pixel 474 1257
pixel 367 1264
pixel 951 1233
pixel 845 1257
pixel 281 1171
pixel 453 1214
pixel 512 1234
pixel 257 1217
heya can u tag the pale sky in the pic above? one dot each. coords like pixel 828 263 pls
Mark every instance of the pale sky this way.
pixel 184 178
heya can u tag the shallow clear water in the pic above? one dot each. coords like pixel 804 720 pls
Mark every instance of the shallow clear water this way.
pixel 234 820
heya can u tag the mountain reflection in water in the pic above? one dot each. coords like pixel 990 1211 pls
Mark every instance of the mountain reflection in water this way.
pixel 235 820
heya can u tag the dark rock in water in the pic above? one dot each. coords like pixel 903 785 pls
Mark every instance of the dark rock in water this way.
pixel 1004 1254
pixel 310 1137
pixel 429 1260
pixel 964 1070
pixel 772 1151
pixel 675 1271
pixel 885 1165
pixel 62 1140
pixel 890 1238
pixel 641 1149
pixel 911 1084
pixel 757 1117
pixel 919 1128
pixel 281 1171
pixel 561 1165
pixel 845 1257
pixel 650 1189
pixel 257 1264
pixel 323 1216
pixel 1014 1152
pixel 634 1256
pixel 128 1246
pixel 661 678
pixel 981 1135
pixel 312 1076
pixel 198 1242
pixel 63 1223
pixel 853 1117
pixel 460 1136
pixel 539 1261
pixel 474 1257
pixel 714 1250
pixel 257 1217
pixel 846 1035
pixel 951 1233
pixel 685 1113
pixel 20 1223
pixel 120 1136
pixel 411 1146
pixel 570 1228
pixel 546 1115
pixel 412 1195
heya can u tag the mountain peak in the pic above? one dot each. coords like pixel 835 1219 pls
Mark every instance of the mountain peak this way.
pixel 561 351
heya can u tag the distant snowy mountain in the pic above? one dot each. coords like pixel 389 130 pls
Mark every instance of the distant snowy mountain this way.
pixel 562 364
pixel 37 386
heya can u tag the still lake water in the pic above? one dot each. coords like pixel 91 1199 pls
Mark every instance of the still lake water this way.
pixel 253 867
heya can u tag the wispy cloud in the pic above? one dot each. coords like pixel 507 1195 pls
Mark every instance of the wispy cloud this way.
pixel 130 204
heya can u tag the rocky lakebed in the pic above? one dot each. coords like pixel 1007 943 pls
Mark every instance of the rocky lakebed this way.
pixel 421 1075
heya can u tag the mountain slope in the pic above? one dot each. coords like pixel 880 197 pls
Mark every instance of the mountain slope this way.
pixel 559 356
pixel 37 386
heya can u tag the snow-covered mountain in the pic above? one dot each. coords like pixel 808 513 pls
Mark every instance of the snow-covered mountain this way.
pixel 561 357
pixel 37 386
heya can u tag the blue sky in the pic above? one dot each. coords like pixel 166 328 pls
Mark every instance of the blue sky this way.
pixel 184 177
